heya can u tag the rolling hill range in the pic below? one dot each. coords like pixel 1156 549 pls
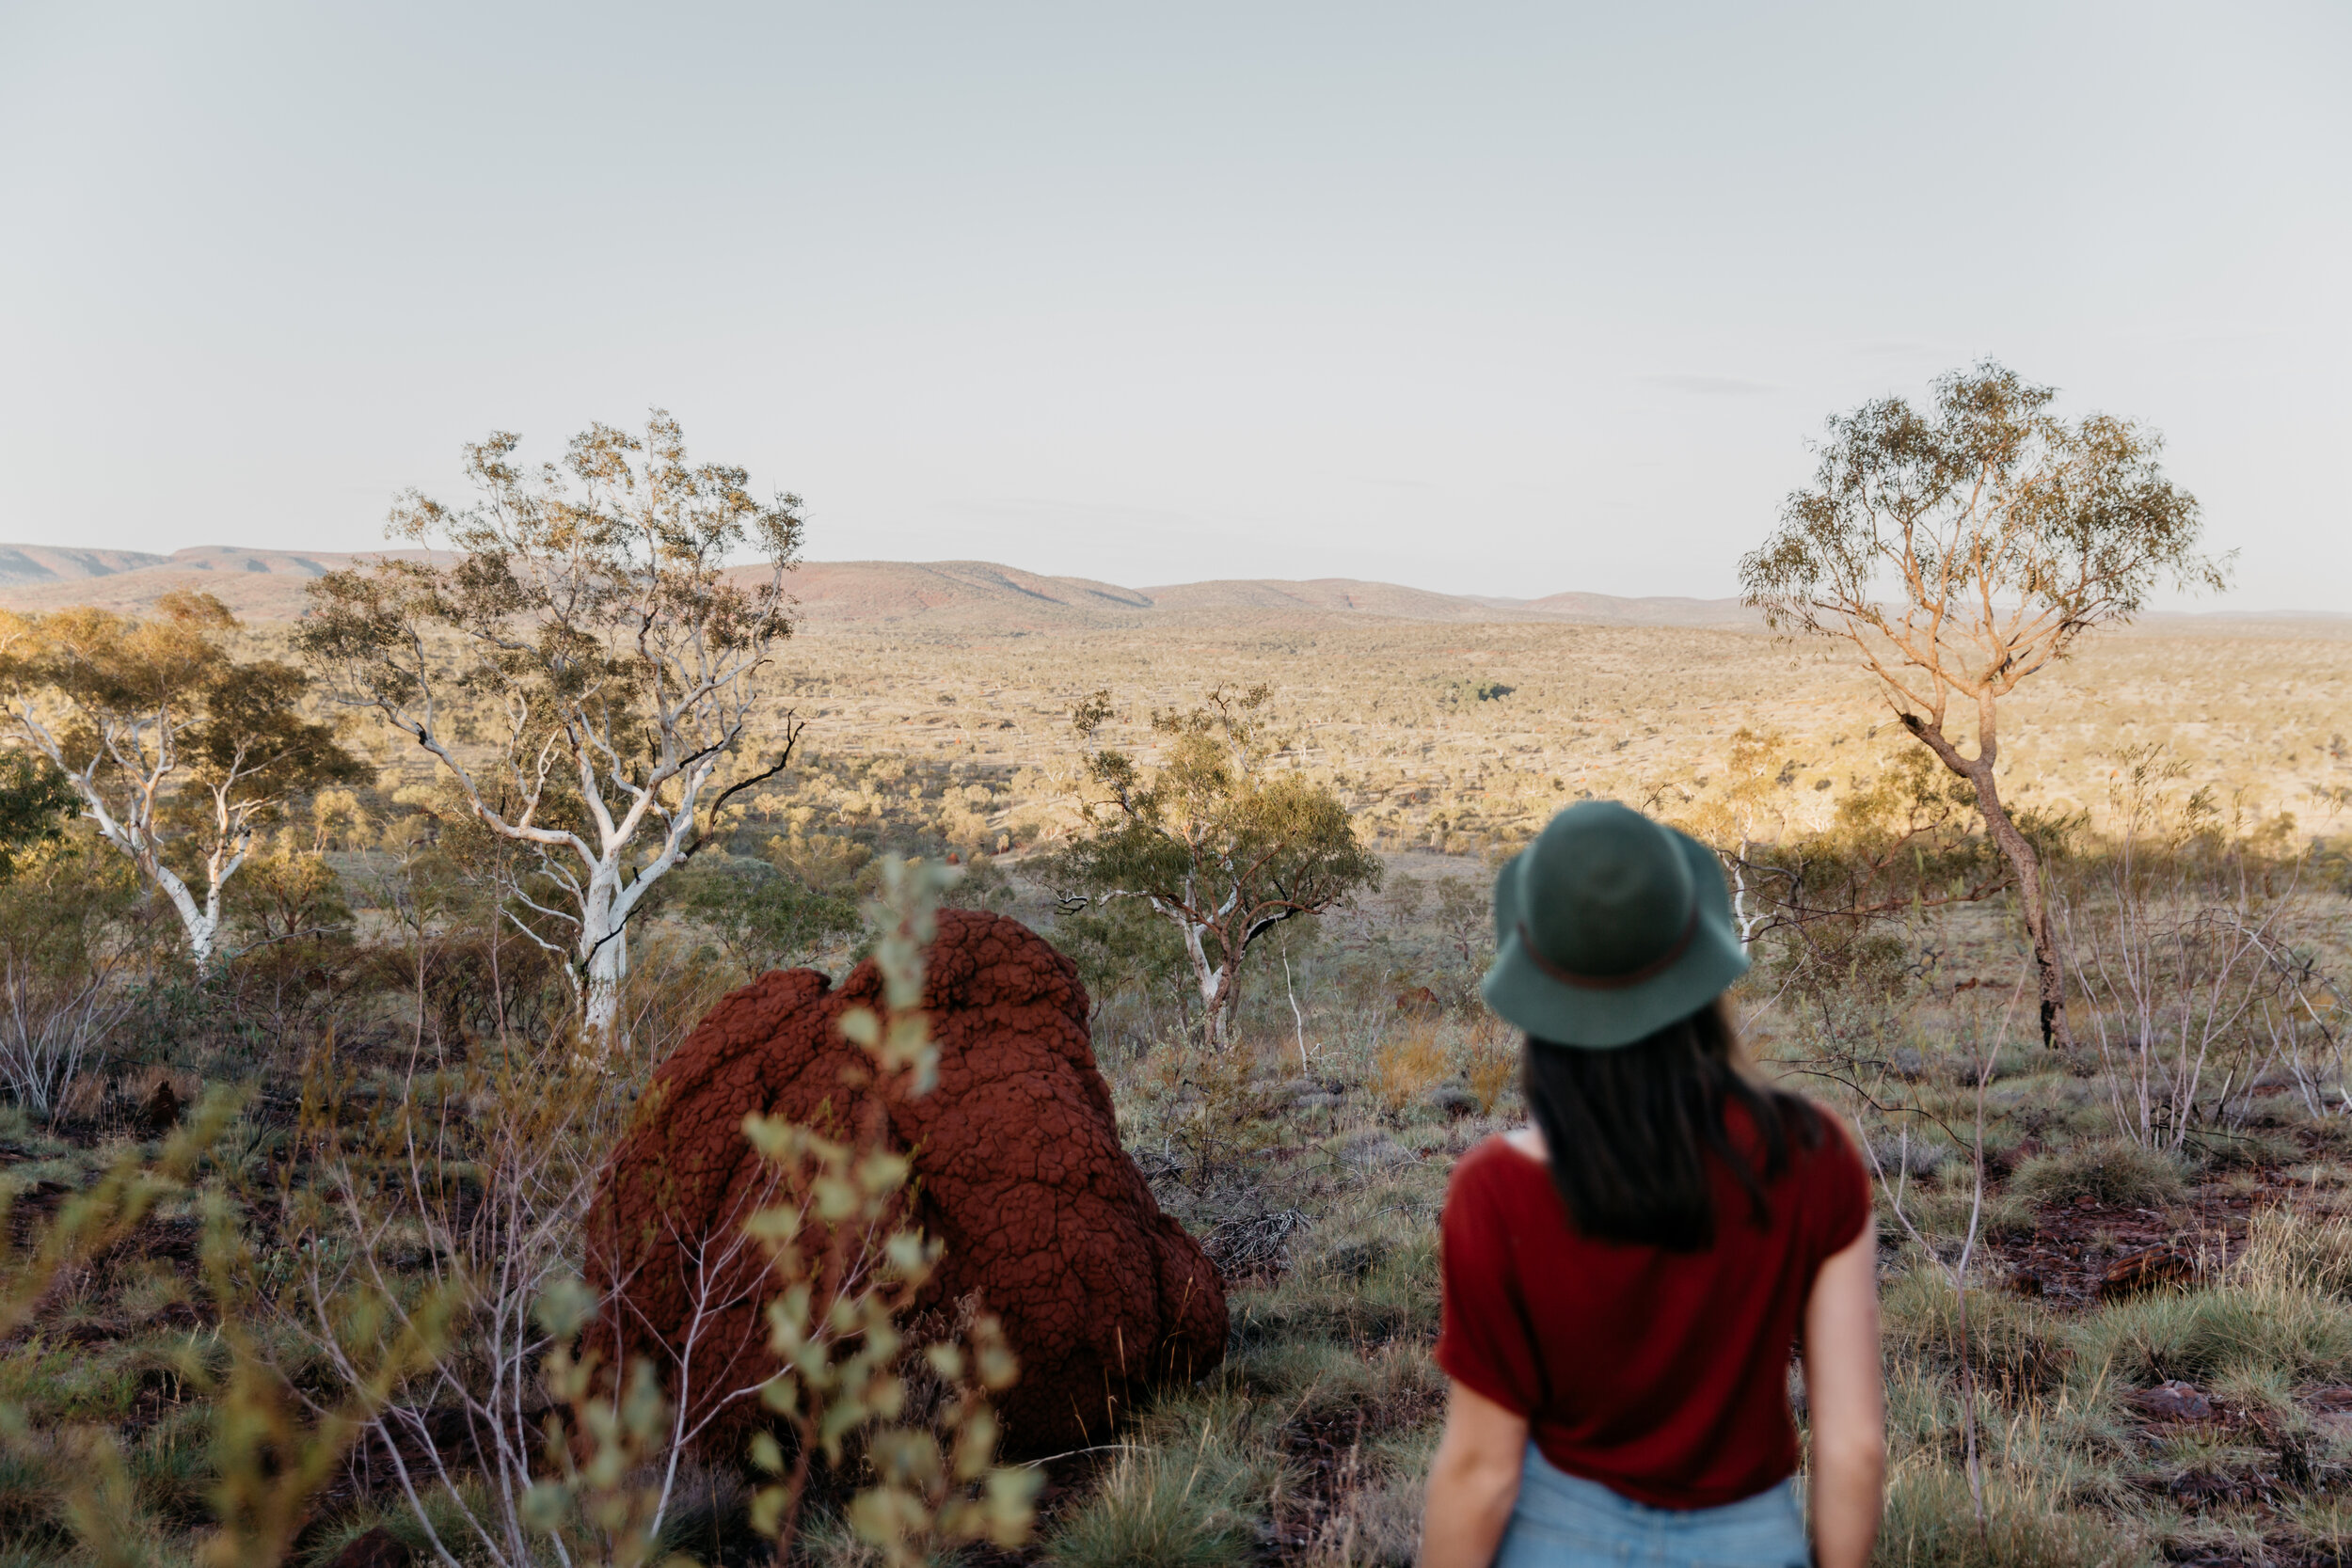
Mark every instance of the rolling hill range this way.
pixel 946 597
pixel 965 596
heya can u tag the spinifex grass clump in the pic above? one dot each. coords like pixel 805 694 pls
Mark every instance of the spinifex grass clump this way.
pixel 2113 1171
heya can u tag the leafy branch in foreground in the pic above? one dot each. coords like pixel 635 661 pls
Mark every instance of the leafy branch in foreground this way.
pixel 849 1270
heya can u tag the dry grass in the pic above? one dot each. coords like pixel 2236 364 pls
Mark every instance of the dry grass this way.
pixel 1490 1064
pixel 1410 1066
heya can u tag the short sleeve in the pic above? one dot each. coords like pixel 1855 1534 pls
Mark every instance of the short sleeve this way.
pixel 1483 1338
pixel 1840 1192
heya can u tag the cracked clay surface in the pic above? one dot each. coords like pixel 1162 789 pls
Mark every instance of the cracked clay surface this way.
pixel 1018 1169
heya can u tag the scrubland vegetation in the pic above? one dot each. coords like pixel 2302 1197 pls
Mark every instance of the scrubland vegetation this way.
pixel 296 1156
pixel 162 1368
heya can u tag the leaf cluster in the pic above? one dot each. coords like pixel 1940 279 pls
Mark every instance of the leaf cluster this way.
pixel 1214 834
pixel 1978 536
pixel 162 693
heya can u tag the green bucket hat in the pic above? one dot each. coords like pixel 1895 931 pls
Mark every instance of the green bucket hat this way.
pixel 1609 928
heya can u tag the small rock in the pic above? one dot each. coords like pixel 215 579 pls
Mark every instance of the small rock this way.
pixel 2172 1402
pixel 377 1548
pixel 1454 1100
pixel 161 1112
pixel 1909 1156
pixel 1374 1152
pixel 2143 1271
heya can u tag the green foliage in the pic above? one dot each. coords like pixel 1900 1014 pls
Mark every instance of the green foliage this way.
pixel 34 798
pixel 178 752
pixel 762 916
pixel 1454 693
pixel 2014 1346
pixel 1214 841
pixel 1971 506
pixel 63 918
pixel 2198 1335
pixel 1121 945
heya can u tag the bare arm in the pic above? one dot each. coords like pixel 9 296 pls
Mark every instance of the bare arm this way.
pixel 1473 1480
pixel 1842 1386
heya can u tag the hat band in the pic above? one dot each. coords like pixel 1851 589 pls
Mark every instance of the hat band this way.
pixel 1613 982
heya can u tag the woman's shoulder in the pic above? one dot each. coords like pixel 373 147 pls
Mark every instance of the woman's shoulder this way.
pixel 1501 1159
pixel 1820 1147
pixel 1826 1166
pixel 1496 1187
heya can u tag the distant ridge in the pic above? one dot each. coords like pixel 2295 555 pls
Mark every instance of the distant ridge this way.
pixel 973 597
pixel 257 585
pixel 978 595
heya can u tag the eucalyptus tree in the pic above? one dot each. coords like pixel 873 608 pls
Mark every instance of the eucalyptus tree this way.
pixel 1961 548
pixel 584 669
pixel 1216 840
pixel 176 751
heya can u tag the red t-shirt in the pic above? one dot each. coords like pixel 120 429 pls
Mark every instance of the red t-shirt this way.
pixel 1661 1375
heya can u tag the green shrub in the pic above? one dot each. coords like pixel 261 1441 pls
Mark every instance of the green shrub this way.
pixel 171 1466
pixel 29 1495
pixel 2112 1170
pixel 1365 1392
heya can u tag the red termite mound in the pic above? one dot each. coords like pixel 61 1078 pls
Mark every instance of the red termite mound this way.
pixel 1019 1171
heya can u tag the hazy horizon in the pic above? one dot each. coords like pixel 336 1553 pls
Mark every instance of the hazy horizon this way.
pixel 1464 301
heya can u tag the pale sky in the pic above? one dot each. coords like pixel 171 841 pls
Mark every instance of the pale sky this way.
pixel 1483 298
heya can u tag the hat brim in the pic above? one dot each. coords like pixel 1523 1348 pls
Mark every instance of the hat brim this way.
pixel 1597 1017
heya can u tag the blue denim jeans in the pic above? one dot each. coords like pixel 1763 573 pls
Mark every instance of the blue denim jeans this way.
pixel 1564 1521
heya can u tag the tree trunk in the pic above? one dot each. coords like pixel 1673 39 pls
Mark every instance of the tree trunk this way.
pixel 1228 1002
pixel 201 923
pixel 2019 850
pixel 604 941
pixel 1213 979
pixel 2015 848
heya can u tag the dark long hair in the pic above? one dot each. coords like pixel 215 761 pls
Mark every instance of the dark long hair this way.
pixel 1629 1130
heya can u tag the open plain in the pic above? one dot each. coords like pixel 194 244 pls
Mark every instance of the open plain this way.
pixel 2154 1362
